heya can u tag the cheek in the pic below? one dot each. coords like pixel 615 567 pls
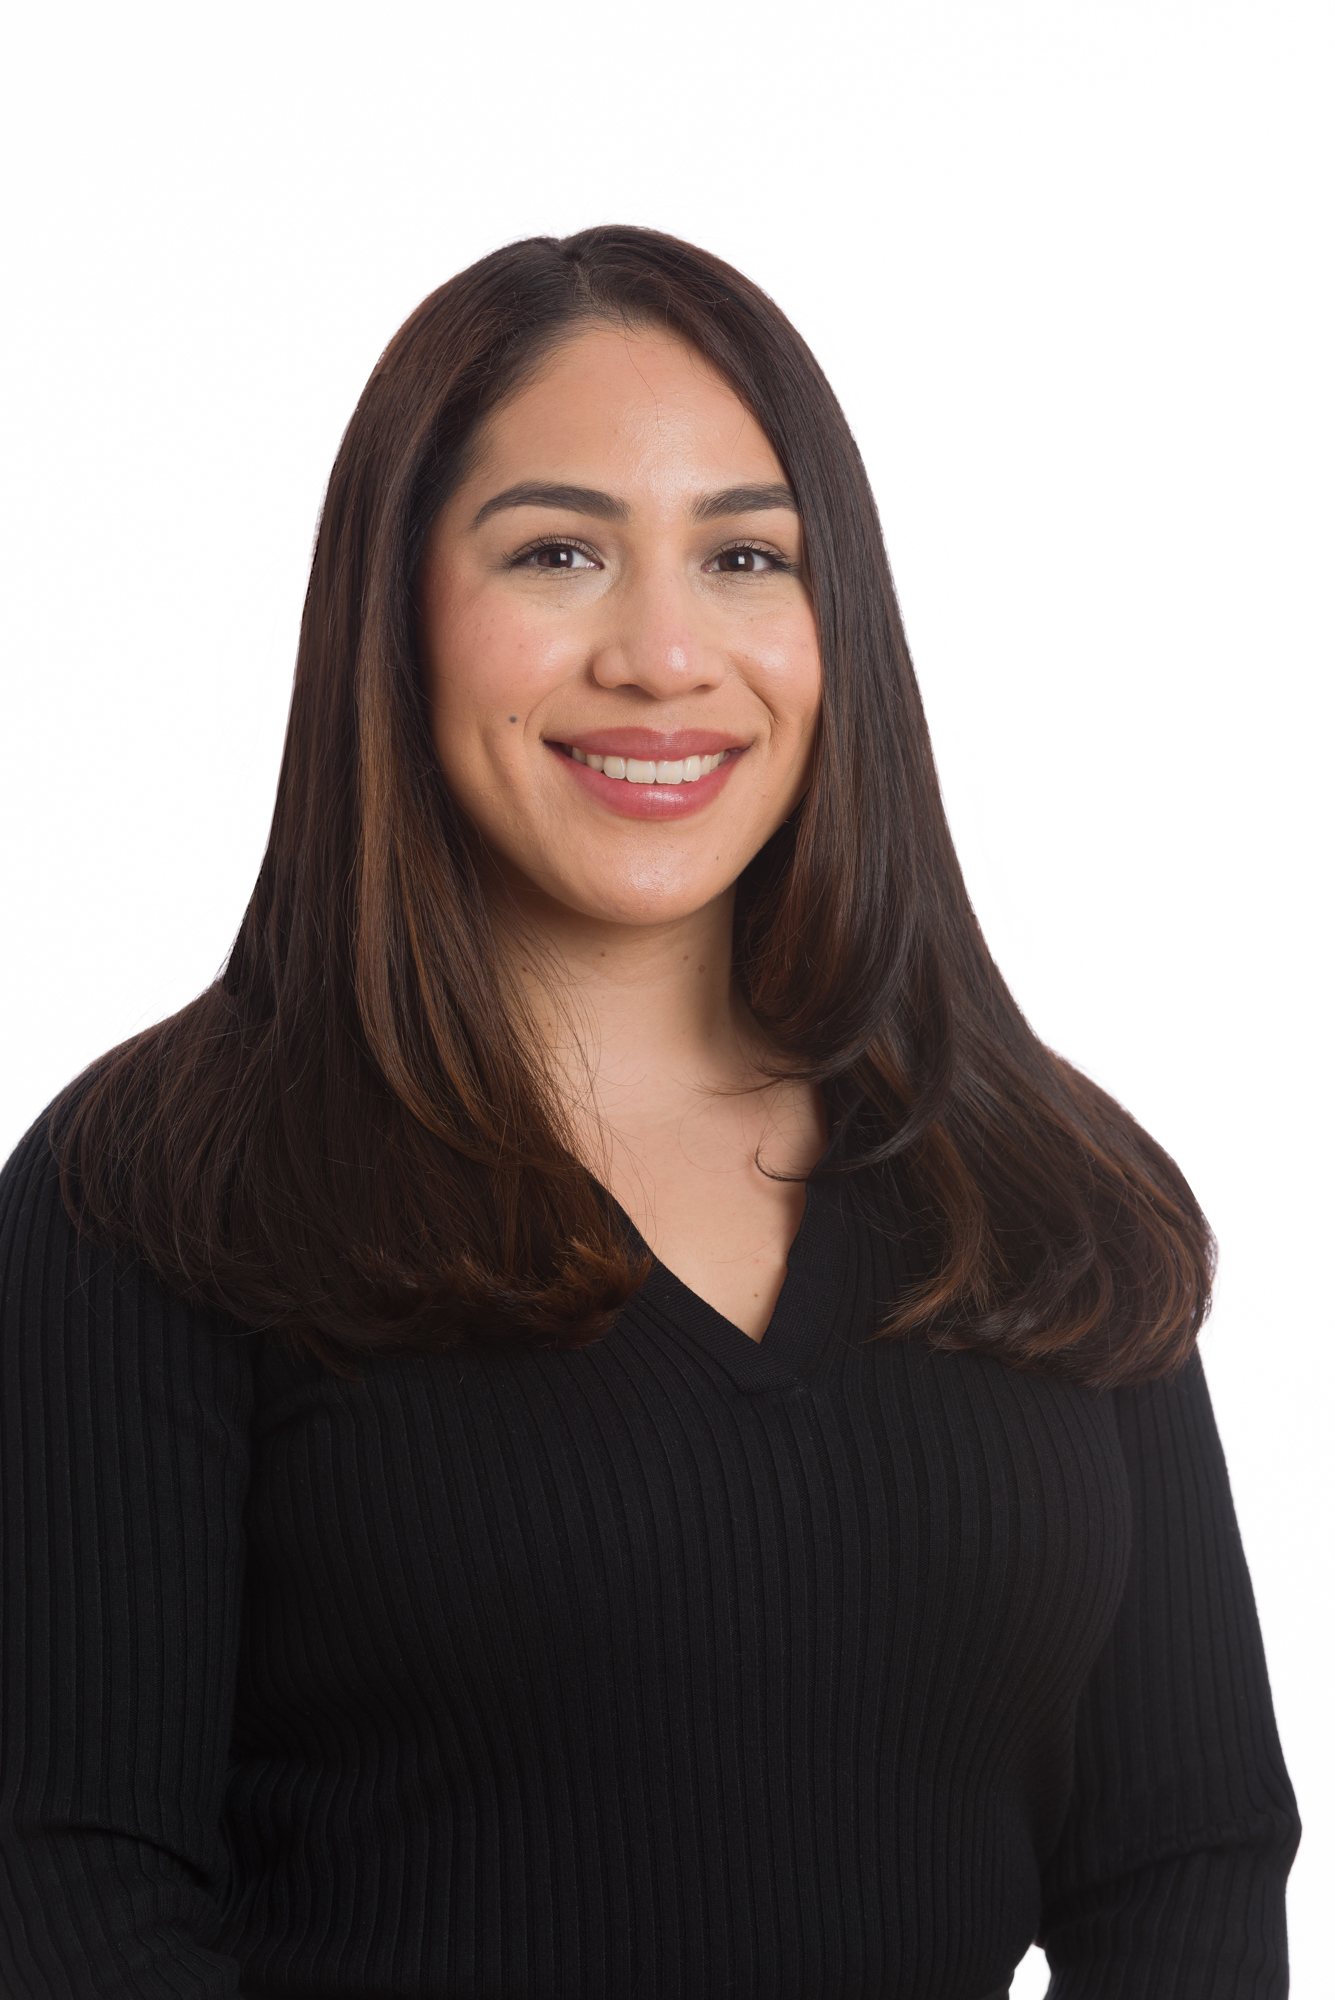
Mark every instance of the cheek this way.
pixel 789 679
pixel 484 660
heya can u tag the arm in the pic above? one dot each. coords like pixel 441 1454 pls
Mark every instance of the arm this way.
pixel 124 1426
pixel 1168 1878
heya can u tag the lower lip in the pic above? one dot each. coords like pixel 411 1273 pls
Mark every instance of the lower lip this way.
pixel 650 801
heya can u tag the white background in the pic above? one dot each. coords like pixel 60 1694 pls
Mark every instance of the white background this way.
pixel 1068 267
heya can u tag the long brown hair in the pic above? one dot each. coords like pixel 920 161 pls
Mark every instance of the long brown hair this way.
pixel 344 1139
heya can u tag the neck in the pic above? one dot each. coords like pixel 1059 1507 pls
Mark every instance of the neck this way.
pixel 627 1009
pixel 662 1086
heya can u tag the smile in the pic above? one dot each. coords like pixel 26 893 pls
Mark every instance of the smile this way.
pixel 651 788
pixel 638 771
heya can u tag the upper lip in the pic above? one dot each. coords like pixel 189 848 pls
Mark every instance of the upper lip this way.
pixel 665 746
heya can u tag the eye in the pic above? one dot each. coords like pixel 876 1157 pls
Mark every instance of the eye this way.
pixel 745 559
pixel 555 556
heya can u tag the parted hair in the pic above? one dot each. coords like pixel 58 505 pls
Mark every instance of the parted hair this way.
pixel 348 1140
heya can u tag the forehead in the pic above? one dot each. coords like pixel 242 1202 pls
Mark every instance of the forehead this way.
pixel 637 405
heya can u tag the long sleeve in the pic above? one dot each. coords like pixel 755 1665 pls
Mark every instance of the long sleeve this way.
pixel 1168 1878
pixel 124 1425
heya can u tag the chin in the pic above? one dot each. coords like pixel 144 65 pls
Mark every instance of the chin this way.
pixel 639 902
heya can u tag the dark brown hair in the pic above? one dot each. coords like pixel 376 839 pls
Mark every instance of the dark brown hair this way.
pixel 343 1138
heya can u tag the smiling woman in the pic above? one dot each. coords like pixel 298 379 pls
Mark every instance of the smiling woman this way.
pixel 598 1416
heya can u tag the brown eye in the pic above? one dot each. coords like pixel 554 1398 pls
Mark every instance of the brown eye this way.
pixel 745 562
pixel 556 556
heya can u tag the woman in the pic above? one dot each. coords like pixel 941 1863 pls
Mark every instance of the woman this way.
pixel 614 1423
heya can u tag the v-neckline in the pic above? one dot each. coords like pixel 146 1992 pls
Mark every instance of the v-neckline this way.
pixel 805 1314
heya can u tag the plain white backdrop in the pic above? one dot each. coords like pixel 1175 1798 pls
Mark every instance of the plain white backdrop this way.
pixel 1069 269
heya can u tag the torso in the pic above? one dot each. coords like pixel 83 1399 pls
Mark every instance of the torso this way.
pixel 675 1663
pixel 663 1665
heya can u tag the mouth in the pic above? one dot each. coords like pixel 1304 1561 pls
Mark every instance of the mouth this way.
pixel 649 771
pixel 640 774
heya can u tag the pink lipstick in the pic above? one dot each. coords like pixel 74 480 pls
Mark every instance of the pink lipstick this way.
pixel 650 774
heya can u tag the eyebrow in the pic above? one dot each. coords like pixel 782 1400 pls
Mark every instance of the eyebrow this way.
pixel 569 499
pixel 744 500
pixel 605 507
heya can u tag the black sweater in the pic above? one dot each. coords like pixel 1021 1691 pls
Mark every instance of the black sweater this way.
pixel 675 1668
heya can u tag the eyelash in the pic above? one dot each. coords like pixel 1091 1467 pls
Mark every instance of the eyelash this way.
pixel 781 567
pixel 568 542
pixel 550 542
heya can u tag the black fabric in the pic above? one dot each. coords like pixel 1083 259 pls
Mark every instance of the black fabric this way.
pixel 679 1667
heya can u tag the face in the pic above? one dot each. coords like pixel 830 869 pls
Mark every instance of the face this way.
pixel 619 648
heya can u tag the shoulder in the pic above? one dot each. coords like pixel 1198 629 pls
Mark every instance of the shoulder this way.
pixel 34 1221
pixel 78 1305
pixel 1170 1441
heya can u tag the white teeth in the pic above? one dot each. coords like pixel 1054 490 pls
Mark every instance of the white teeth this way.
pixel 638 771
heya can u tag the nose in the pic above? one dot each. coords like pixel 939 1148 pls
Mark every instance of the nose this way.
pixel 657 640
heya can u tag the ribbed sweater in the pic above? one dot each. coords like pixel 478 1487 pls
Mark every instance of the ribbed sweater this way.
pixel 681 1666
